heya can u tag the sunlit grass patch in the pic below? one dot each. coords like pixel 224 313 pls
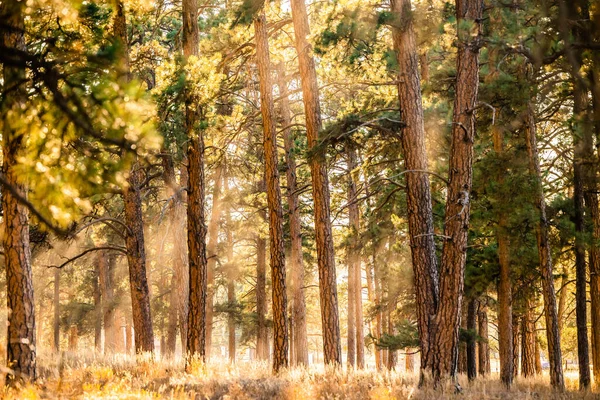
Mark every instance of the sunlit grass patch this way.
pixel 123 377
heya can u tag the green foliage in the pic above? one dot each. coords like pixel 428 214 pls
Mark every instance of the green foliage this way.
pixel 407 337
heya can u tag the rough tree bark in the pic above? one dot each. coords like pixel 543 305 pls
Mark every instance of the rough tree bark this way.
pixel 591 201
pixel 445 338
pixel 418 191
pixel 583 145
pixel 298 328
pixel 132 199
pixel 528 341
pixel 276 244
pixel 552 331
pixel 320 187
pixel 583 152
pixel 21 345
pixel 196 235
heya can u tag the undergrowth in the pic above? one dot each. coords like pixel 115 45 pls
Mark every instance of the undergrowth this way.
pixel 121 377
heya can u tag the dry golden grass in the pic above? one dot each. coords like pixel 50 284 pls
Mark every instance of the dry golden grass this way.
pixel 123 378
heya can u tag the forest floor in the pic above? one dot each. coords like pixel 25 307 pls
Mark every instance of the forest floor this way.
pixel 122 378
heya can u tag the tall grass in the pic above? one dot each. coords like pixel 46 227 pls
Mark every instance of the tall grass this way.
pixel 122 377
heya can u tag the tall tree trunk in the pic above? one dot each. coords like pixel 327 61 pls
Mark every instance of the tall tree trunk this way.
pixel 591 200
pixel 128 336
pixel 178 298
pixel 97 310
pixel 358 309
pixel 211 252
pixel 378 301
pixel 231 272
pixel 562 298
pixel 56 322
pixel 392 356
pixel 418 190
pixel 471 345
pixel 461 366
pixel 175 229
pixel 528 341
pixel 276 244
pixel 583 183
pixel 106 271
pixel 538 357
pixel 409 362
pixel 370 270
pixel 136 258
pixel 320 187
pixel 134 239
pixel 552 332
pixel 484 348
pixel 298 328
pixel 196 235
pixel 73 339
pixel 505 322
pixel 581 157
pixel 21 344
pixel 181 264
pixel 458 203
pixel 515 339
pixel 262 338
pixel 353 261
pixel 571 28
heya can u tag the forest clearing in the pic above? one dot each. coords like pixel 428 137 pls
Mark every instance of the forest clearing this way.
pixel 364 199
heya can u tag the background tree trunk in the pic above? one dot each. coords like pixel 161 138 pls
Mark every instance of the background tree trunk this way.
pixel 583 183
pixel 516 330
pixel 21 344
pixel 528 342
pixel 136 258
pixel 298 328
pixel 276 244
pixel 134 239
pixel 97 310
pixel 458 203
pixel 262 338
pixel 196 235
pixel 106 269
pixel 56 322
pixel 320 187
pixel 505 322
pixel 418 191
pixel 591 201
pixel 211 252
pixel 484 348
pixel 178 297
pixel 353 261
pixel 553 334
pixel 471 345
